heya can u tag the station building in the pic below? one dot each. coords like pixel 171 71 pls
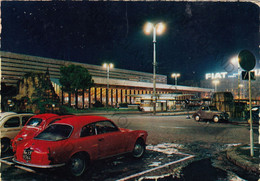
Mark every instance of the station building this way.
pixel 123 84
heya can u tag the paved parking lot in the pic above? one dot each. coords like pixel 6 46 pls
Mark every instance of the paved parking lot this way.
pixel 158 160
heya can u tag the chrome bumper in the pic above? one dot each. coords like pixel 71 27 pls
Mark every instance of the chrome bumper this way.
pixel 39 166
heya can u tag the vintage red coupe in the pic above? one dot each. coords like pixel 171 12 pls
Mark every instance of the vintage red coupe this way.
pixel 77 141
pixel 34 126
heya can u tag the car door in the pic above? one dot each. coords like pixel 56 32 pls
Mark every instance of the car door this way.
pixel 204 112
pixel 11 126
pixel 110 139
pixel 88 141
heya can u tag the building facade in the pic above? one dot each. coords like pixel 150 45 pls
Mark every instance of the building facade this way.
pixel 122 83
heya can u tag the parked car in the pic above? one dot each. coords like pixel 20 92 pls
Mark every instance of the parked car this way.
pixel 255 114
pixel 210 113
pixel 77 141
pixel 10 125
pixel 34 126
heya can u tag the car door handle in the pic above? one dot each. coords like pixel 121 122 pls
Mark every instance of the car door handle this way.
pixel 101 139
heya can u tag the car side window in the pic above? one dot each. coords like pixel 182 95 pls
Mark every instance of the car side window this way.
pixel 205 108
pixel 88 130
pixel 105 127
pixel 25 119
pixel 12 122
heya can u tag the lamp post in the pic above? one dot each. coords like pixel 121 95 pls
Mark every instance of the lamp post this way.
pixel 235 60
pixel 215 82
pixel 108 66
pixel 176 75
pixel 157 29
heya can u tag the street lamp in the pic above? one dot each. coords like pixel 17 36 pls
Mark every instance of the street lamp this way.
pixel 235 61
pixel 215 82
pixel 108 66
pixel 176 75
pixel 158 28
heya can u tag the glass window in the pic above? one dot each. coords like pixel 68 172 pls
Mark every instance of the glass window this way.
pixel 25 119
pixel 205 109
pixel 12 122
pixel 105 127
pixel 34 122
pixel 55 132
pixel 88 130
pixel 213 108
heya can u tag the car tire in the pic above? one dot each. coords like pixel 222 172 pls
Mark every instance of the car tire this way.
pixel 216 119
pixel 197 118
pixel 5 145
pixel 139 149
pixel 77 164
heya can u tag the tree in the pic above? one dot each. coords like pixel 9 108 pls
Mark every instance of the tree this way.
pixel 36 93
pixel 75 78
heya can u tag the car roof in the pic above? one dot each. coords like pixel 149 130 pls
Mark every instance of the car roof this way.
pixel 45 116
pixel 57 118
pixel 5 114
pixel 80 120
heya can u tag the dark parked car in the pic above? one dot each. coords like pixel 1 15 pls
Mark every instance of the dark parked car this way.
pixel 210 112
pixel 255 114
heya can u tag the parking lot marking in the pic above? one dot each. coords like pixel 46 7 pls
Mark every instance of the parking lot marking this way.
pixel 167 148
pixel 153 169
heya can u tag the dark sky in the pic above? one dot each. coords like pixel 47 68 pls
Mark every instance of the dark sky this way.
pixel 200 37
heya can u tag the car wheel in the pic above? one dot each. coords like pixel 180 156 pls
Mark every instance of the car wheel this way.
pixel 216 119
pixel 197 118
pixel 77 164
pixel 139 149
pixel 5 145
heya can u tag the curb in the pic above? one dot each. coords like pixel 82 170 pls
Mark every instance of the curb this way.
pixel 242 160
pixel 136 112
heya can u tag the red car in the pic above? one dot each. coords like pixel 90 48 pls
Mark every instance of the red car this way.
pixel 34 126
pixel 77 141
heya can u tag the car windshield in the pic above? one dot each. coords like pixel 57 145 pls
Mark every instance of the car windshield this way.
pixel 34 122
pixel 55 132
pixel 213 108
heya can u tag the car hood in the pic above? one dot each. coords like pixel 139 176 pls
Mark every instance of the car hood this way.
pixel 217 112
pixel 125 130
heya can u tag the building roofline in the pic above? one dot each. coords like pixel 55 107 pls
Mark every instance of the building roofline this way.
pixel 43 59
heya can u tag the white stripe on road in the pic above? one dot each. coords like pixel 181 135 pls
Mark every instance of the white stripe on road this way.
pixel 173 127
pixel 153 169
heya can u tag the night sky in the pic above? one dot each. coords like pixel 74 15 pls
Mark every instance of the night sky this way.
pixel 200 37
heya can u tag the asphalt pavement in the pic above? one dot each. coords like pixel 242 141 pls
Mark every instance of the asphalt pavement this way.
pixel 239 154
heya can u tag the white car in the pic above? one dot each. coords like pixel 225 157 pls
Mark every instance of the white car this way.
pixel 10 125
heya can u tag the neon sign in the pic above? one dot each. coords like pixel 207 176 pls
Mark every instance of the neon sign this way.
pixel 219 75
pixel 223 75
